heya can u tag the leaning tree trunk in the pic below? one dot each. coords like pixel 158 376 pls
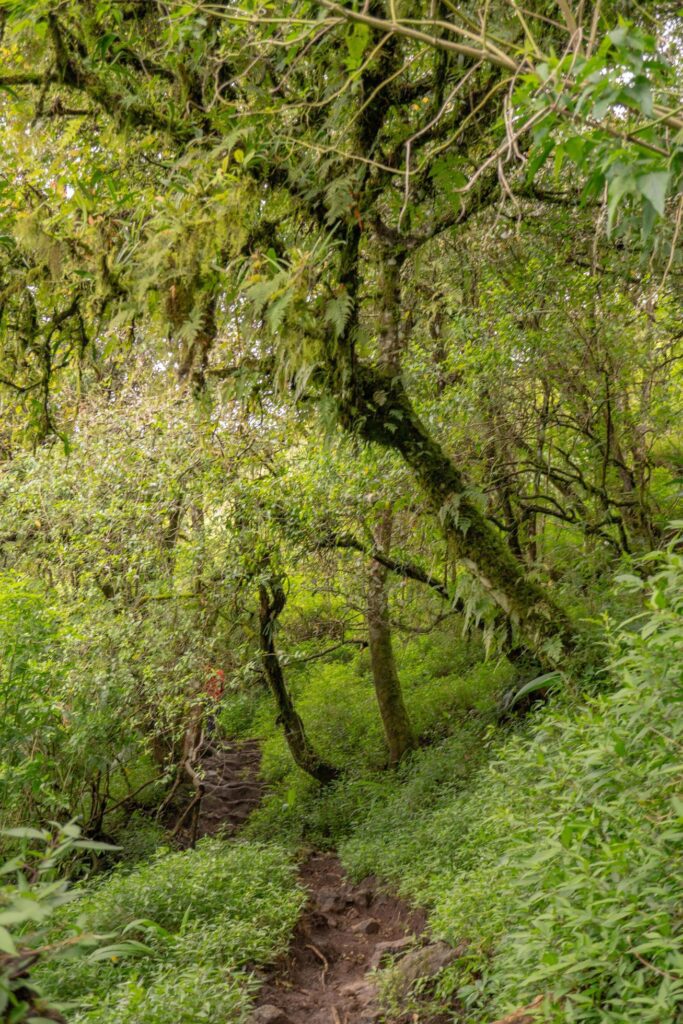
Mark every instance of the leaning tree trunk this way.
pixel 299 745
pixel 397 729
pixel 374 403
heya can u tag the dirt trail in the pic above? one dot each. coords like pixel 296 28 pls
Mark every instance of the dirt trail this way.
pixel 345 932
pixel 227 787
pixel 232 786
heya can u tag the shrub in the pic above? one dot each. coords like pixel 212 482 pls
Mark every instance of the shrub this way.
pixel 30 724
pixel 33 887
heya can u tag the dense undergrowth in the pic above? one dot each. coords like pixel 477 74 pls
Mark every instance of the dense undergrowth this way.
pixel 552 852
pixel 208 916
pixel 545 847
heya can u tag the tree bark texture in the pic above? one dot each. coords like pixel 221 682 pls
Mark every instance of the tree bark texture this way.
pixel 301 749
pixel 378 408
pixel 397 729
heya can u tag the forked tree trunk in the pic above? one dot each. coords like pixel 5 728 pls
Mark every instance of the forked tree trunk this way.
pixel 397 729
pixel 304 754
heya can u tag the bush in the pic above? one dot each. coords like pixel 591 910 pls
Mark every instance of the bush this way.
pixel 30 724
pixel 33 887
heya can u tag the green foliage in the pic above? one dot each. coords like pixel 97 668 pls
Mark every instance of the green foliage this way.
pixel 626 152
pixel 441 681
pixel 112 218
pixel 31 671
pixel 109 609
pixel 559 864
pixel 465 246
pixel 61 731
pixel 179 995
pixel 448 690
pixel 139 835
pixel 32 891
pixel 207 915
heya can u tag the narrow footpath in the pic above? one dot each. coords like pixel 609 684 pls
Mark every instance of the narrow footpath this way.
pixel 346 931
pixel 232 786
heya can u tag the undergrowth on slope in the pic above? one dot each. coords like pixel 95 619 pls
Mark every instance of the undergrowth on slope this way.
pixel 207 915
pixel 560 865
pixel 553 852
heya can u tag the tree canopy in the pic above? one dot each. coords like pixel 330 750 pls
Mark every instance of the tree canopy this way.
pixel 340 361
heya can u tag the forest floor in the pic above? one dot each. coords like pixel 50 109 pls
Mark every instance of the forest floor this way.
pixel 344 934
pixel 346 931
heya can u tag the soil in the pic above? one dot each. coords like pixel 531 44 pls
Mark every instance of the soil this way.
pixel 343 934
pixel 232 786
pixel 226 788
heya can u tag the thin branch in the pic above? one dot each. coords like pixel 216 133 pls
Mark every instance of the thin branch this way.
pixel 323 654
pixel 400 566
pixel 400 28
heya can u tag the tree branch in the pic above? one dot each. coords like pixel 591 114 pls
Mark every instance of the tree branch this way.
pixel 401 567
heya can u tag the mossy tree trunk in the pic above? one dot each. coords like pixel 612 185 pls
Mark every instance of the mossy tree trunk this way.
pixel 397 728
pixel 271 602
pixel 377 407
pixel 372 403
pixel 477 543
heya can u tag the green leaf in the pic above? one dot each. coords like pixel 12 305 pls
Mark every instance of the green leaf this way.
pixel 13 917
pixel 117 949
pixel 11 865
pixel 641 93
pixel 26 833
pixel 18 1013
pixel 337 312
pixel 89 844
pixel 653 187
pixel 575 148
pixel 539 158
pixel 618 36
pixel 539 683
pixel 7 942
pixel 356 42
pixel 278 308
pixel 620 186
